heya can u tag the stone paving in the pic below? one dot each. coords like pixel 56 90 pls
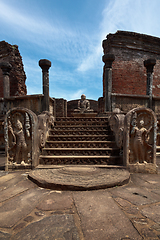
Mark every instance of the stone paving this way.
pixel 131 211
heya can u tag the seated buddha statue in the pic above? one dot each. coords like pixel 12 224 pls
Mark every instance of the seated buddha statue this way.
pixel 83 105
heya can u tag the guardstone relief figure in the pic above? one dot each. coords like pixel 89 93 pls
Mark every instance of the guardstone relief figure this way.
pixel 140 149
pixel 116 122
pixel 45 122
pixel 83 105
pixel 19 134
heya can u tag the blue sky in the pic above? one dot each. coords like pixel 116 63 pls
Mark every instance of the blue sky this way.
pixel 69 33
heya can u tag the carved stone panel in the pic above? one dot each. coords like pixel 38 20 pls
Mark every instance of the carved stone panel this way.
pixel 45 122
pixel 139 145
pixel 21 143
pixel 116 123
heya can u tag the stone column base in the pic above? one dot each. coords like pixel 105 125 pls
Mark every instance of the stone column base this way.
pixel 143 168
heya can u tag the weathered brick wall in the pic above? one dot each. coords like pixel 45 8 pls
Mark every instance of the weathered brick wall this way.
pixel 10 53
pixel 101 105
pixel 61 107
pixel 1 83
pixel 128 71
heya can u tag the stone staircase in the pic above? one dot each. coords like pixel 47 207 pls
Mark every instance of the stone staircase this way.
pixel 80 141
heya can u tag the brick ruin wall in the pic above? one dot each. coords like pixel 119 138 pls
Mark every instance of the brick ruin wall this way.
pixel 128 71
pixel 10 53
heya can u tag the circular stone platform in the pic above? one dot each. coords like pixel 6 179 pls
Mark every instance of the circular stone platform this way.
pixel 79 177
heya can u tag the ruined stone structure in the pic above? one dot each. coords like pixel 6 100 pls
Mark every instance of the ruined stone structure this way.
pixel 130 50
pixel 108 131
pixel 127 55
pixel 10 53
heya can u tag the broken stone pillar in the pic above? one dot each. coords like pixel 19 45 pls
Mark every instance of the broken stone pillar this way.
pixel 45 65
pixel 149 64
pixel 108 60
pixel 6 67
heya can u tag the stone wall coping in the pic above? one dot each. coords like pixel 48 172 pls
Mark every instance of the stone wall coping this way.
pixel 130 95
pixel 134 41
pixel 80 99
pixel 156 98
pixel 22 97
pixel 25 97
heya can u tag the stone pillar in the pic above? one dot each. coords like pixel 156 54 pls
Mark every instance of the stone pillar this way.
pixel 45 65
pixel 108 60
pixel 149 64
pixel 6 67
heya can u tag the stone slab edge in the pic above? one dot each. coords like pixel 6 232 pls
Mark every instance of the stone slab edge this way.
pixel 71 187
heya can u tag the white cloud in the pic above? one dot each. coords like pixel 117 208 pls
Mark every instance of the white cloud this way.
pixel 137 16
pixel 128 15
pixel 31 23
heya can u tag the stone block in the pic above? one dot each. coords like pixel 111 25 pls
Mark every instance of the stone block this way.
pixel 139 145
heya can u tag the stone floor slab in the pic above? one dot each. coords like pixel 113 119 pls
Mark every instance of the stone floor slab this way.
pixel 146 180
pixel 13 190
pixel 152 212
pixel 56 201
pixel 18 207
pixel 101 218
pixel 4 236
pixel 7 177
pixel 58 227
pixel 3 173
pixel 11 182
pixel 136 195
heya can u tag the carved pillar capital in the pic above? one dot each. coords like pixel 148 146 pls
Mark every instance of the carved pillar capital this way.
pixel 149 64
pixel 108 59
pixel 45 64
pixel 6 67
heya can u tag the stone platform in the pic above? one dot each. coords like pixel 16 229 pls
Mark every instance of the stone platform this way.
pixel 79 177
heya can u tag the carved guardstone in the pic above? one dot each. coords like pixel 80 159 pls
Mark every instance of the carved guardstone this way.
pixel 45 122
pixel 21 140
pixel 116 122
pixel 139 144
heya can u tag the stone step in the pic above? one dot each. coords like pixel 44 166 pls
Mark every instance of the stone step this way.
pixel 80 128
pixel 80 144
pixel 80 141
pixel 158 148
pixel 81 121
pixel 158 151
pixel 80 151
pixel 96 119
pixel 86 160
pixel 80 138
pixel 78 132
